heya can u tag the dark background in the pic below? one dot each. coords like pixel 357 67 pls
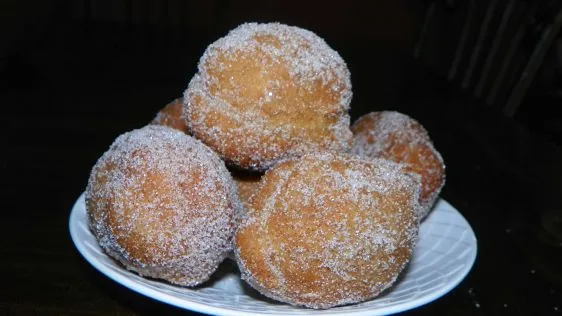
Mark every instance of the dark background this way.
pixel 58 48
pixel 76 74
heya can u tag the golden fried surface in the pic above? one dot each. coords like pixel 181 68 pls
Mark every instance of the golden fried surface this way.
pixel 397 137
pixel 267 92
pixel 247 183
pixel 325 230
pixel 163 204
pixel 172 116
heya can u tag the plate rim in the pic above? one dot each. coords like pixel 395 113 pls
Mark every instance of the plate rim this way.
pixel 133 285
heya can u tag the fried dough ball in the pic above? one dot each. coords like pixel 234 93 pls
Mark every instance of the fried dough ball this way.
pixel 163 204
pixel 172 116
pixel 326 230
pixel 247 183
pixel 268 92
pixel 400 138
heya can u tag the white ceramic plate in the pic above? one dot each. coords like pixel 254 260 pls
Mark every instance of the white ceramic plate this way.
pixel 444 255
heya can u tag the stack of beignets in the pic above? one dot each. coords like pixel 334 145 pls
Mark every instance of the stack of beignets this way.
pixel 316 216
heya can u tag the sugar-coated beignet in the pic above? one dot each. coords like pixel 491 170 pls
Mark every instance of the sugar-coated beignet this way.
pixel 400 138
pixel 246 182
pixel 172 116
pixel 163 204
pixel 326 230
pixel 268 92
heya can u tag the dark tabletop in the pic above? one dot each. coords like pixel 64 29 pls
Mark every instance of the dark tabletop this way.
pixel 64 105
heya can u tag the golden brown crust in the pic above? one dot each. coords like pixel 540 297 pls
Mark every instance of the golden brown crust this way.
pixel 326 230
pixel 247 183
pixel 397 137
pixel 172 116
pixel 268 92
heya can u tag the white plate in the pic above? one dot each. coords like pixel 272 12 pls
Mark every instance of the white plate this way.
pixel 444 255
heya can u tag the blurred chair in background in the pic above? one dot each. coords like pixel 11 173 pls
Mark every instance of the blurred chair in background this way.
pixel 491 48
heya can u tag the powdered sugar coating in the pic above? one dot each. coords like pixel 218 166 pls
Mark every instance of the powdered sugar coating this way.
pixel 267 92
pixel 326 230
pixel 163 204
pixel 398 137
